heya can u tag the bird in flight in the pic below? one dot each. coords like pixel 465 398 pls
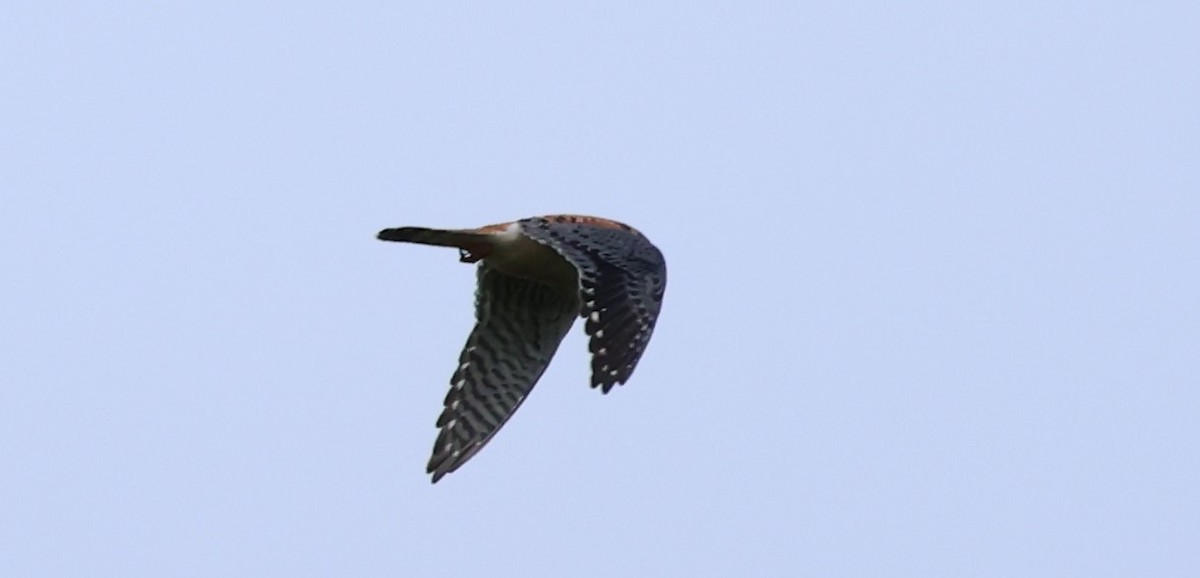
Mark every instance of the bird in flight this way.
pixel 535 276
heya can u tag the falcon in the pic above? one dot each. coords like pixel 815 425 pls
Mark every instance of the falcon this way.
pixel 534 277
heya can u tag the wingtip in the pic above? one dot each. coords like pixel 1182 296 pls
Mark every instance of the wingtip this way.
pixel 605 386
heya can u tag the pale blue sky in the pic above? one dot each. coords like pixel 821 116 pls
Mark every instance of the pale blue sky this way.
pixel 932 311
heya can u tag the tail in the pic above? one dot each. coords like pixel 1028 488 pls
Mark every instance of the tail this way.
pixel 438 237
pixel 472 245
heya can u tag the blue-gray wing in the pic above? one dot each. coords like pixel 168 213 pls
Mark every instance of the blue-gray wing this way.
pixel 519 325
pixel 622 278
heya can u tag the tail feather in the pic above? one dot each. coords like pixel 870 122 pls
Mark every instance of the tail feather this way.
pixel 438 237
pixel 472 245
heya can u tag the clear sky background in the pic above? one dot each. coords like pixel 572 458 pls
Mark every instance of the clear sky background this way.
pixel 933 305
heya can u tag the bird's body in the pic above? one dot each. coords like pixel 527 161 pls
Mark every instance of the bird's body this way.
pixel 535 277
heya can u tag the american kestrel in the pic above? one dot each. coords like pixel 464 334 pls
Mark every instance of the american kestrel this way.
pixel 534 277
